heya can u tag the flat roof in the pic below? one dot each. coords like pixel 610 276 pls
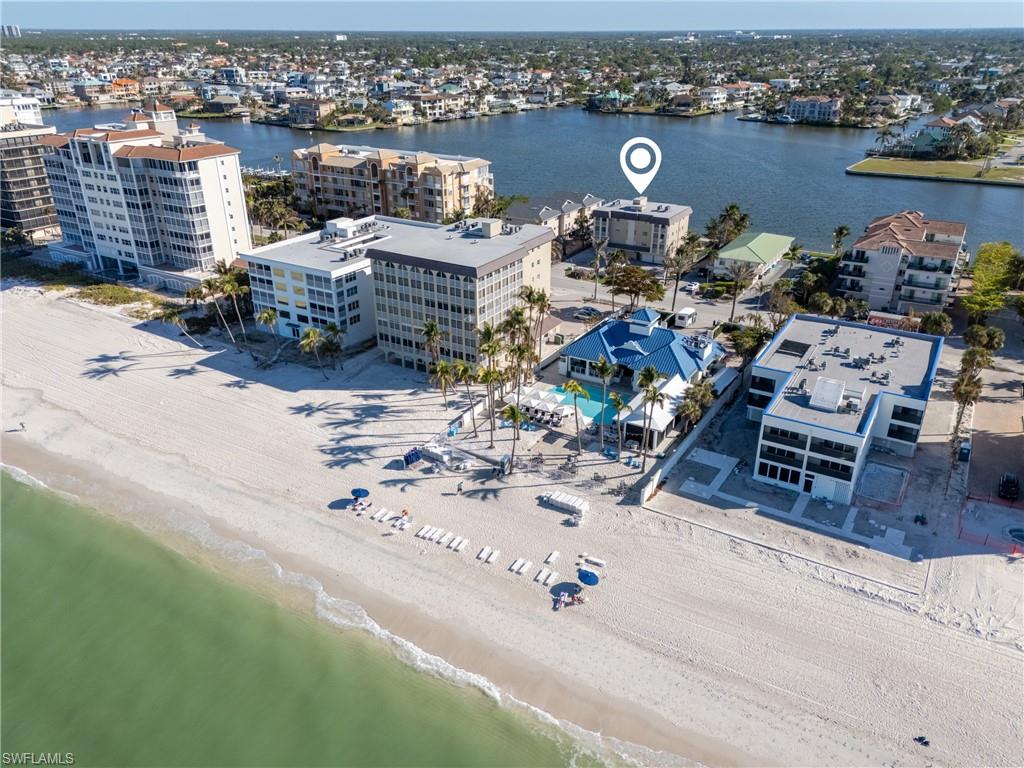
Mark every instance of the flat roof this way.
pixel 458 248
pixel 647 211
pixel 806 348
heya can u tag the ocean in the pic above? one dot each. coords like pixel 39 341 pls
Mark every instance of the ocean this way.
pixel 122 651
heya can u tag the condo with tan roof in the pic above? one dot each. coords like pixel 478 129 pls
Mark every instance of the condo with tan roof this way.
pixel 143 199
pixel 905 261
pixel 350 180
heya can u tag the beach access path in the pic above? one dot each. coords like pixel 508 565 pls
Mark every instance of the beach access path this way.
pixel 694 643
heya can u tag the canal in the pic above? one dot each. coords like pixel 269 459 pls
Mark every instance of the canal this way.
pixel 789 178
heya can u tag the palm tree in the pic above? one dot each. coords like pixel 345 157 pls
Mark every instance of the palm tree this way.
pixel 310 342
pixel 599 255
pixel 703 392
pixel 820 302
pixel 541 306
pixel 515 326
pixel 432 335
pixel 686 254
pixel 212 290
pixel 516 417
pixel 520 357
pixel 966 391
pixel 464 374
pixel 690 410
pixel 652 396
pixel 645 380
pixel 444 377
pixel 742 275
pixel 605 370
pixel 975 360
pixel 839 234
pixel 573 387
pixel 489 377
pixel 617 259
pixel 615 401
pixel 172 315
pixel 333 334
pixel 268 317
pixel 230 286
pixel 195 295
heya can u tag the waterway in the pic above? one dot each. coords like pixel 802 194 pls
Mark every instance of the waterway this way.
pixel 789 178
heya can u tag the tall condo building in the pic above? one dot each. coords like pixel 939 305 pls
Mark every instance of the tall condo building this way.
pixel 643 230
pixel 25 198
pixel 145 200
pixel 380 277
pixel 905 262
pixel 349 180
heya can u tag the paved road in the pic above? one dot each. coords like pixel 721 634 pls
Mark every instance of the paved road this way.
pixel 999 415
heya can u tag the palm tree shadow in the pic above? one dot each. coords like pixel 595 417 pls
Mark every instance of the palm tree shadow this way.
pixel 312 409
pixel 237 384
pixel 106 371
pixel 108 358
pixel 181 373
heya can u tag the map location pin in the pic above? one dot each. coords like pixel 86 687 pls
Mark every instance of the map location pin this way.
pixel 640 159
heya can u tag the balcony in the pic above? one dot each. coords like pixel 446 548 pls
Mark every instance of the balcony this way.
pixel 918 265
pixel 930 285
pixel 820 468
pixel 817 446
pixel 797 442
pixel 789 461
pixel 856 258
pixel 852 271
pixel 915 299
pixel 854 286
pixel 907 415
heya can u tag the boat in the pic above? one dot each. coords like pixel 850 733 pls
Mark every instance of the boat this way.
pixel 469 114
pixel 785 119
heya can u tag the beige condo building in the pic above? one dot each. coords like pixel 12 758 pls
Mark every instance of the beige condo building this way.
pixel 643 230
pixel 349 180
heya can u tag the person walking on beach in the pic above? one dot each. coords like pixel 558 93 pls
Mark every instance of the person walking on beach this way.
pixel 458 488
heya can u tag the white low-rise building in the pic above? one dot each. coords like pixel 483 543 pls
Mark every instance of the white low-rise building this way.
pixel 826 392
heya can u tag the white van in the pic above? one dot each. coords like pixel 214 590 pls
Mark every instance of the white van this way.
pixel 686 317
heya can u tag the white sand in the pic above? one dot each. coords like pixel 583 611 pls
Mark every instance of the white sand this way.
pixel 696 643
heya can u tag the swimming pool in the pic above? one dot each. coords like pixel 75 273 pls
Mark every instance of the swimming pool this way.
pixel 590 406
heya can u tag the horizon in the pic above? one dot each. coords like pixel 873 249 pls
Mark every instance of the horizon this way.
pixel 487 16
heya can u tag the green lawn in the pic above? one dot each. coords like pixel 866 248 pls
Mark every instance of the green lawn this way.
pixel 936 168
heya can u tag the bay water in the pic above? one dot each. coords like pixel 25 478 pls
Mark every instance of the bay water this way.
pixel 122 651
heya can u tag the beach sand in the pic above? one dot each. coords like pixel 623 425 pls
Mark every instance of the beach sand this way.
pixel 693 644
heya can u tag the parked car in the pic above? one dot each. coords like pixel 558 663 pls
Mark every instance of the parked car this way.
pixel 1009 487
pixel 587 313
pixel 689 287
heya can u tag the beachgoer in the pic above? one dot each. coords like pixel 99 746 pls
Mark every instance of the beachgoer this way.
pixel 22 425
pixel 458 488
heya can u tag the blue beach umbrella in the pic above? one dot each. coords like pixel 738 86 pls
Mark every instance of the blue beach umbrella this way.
pixel 588 577
pixel 360 493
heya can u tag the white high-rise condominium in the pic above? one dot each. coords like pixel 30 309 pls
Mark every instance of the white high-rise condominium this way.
pixel 144 199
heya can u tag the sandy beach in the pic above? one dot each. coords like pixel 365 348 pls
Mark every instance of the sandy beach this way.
pixel 694 645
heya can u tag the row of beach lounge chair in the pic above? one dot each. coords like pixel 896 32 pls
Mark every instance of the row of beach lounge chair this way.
pixel 440 536
pixel 566 501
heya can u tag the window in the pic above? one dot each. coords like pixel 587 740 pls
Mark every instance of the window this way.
pixel 300 304
pixel 297 276
pixel 298 290
pixel 762 384
pixel 278 272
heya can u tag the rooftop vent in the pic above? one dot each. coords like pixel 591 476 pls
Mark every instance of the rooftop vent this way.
pixel 827 394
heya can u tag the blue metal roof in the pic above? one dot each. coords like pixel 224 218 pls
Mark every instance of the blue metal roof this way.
pixel 663 348
pixel 645 315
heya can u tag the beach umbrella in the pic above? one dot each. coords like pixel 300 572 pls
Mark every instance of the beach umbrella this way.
pixel 552 397
pixel 564 410
pixel 360 493
pixel 534 402
pixel 544 405
pixel 588 577
pixel 510 398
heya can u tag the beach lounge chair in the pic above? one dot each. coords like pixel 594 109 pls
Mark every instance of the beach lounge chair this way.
pixel 493 556
pixel 594 561
pixel 483 553
pixel 525 566
pixel 541 575
pixel 421 531
pixel 436 534
pixel 551 558
pixel 552 577
pixel 443 541
pixel 515 564
pixel 455 542
pixel 462 545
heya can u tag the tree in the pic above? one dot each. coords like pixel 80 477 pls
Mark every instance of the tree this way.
pixel 618 405
pixel 444 377
pixel 573 387
pixel 838 308
pixel 230 287
pixel 987 337
pixel 333 334
pixel 310 343
pixel 975 360
pixel 172 315
pixel 727 226
pixel 820 302
pixel 634 282
pixel 605 370
pixel 268 317
pixel 966 391
pixel 541 307
pixel 194 295
pixel 742 275
pixel 690 410
pixel 465 374
pixel 614 263
pixel 647 380
pixel 651 396
pixel 489 345
pixel 807 283
pixel 402 213
pixel 703 392
pixel 859 309
pixel 599 255
pixel 989 280
pixel 212 290
pixel 839 235
pixel 432 335
pixel 581 230
pixel 488 206
pixel 936 323
pixel 779 307
pixel 516 417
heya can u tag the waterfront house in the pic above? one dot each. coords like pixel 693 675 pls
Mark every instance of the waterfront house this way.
pixel 559 211
pixel 815 109
pixel 714 97
pixel 761 250
pixel 826 392
pixel 905 262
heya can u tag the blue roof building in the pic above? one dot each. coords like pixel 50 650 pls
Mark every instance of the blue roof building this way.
pixel 635 343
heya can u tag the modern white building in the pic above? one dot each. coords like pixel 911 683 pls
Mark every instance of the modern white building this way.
pixel 826 392
pixel 815 109
pixel 319 278
pixel 714 97
pixel 643 230
pixel 144 200
pixel 21 109
pixel 905 261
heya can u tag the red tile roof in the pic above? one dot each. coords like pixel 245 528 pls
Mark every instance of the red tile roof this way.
pixel 177 154
pixel 910 229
